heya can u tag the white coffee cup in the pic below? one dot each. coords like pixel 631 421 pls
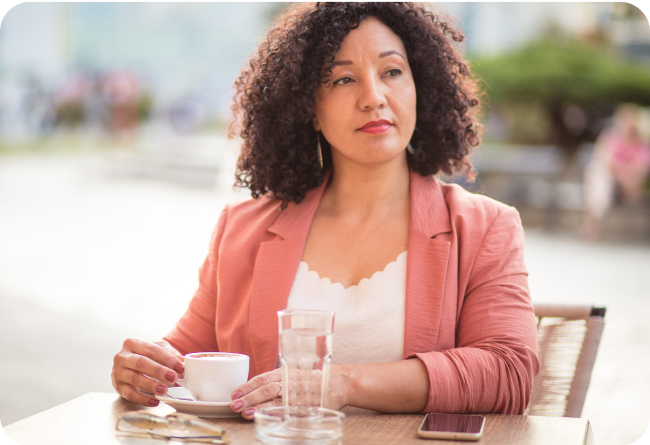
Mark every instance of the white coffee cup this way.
pixel 213 376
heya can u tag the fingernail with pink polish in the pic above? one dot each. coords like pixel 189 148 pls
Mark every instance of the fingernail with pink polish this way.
pixel 153 402
pixel 249 412
pixel 170 377
pixel 161 389
pixel 238 405
pixel 179 368
pixel 236 394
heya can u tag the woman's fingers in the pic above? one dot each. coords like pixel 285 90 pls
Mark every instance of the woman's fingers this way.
pixel 167 347
pixel 249 413
pixel 140 381
pixel 256 392
pixel 147 366
pixel 133 395
pixel 163 354
pixel 257 382
pixel 151 359
pixel 257 397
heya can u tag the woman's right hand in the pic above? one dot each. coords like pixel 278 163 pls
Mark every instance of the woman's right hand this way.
pixel 149 366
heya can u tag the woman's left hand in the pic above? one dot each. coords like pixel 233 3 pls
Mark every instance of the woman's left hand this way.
pixel 266 390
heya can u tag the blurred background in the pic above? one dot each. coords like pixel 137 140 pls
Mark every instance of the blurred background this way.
pixel 114 168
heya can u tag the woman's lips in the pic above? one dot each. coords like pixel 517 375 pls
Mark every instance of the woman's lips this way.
pixel 376 127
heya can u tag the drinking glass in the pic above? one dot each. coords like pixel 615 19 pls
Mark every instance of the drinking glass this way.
pixel 305 357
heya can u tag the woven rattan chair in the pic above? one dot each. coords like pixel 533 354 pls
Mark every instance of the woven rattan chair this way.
pixel 568 339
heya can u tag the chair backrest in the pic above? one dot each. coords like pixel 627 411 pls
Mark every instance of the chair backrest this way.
pixel 568 339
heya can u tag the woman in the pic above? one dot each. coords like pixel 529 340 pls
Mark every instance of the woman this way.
pixel 620 161
pixel 346 113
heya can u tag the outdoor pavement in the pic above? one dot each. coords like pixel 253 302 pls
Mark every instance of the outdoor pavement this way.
pixel 89 257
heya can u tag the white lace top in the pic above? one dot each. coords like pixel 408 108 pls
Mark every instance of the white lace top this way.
pixel 369 317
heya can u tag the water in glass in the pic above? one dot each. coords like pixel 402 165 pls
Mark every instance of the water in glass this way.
pixel 305 357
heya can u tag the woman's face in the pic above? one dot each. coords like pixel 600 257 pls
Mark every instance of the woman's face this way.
pixel 368 113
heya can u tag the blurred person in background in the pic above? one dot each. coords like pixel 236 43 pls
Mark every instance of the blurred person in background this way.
pixel 122 91
pixel 346 112
pixel 619 166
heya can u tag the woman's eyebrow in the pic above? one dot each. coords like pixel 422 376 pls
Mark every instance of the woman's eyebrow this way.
pixel 341 62
pixel 381 55
pixel 388 53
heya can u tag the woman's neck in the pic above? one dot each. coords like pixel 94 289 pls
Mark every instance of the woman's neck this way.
pixel 366 190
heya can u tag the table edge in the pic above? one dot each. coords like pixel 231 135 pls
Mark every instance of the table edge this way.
pixel 88 394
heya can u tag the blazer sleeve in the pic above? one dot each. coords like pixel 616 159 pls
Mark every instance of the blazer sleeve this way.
pixel 492 368
pixel 196 330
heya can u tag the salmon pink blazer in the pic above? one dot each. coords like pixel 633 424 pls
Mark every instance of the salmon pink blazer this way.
pixel 469 316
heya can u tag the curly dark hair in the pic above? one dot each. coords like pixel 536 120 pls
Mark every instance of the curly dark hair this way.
pixel 272 96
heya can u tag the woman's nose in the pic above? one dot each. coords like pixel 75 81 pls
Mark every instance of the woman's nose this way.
pixel 372 96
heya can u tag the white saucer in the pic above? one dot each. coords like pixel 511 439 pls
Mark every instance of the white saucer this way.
pixel 181 400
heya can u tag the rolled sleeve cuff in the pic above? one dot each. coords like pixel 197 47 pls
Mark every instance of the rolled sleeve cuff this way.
pixel 444 390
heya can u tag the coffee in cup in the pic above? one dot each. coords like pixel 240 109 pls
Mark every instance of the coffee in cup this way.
pixel 213 376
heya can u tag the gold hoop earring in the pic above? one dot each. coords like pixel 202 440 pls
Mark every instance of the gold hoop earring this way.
pixel 319 151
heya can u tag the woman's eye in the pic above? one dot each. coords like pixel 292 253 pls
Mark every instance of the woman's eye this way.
pixel 394 72
pixel 343 81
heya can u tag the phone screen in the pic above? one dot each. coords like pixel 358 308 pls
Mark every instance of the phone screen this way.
pixel 453 423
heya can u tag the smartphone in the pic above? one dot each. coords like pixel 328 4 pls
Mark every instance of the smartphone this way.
pixel 452 426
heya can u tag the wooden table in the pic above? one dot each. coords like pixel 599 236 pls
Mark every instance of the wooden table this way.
pixel 91 419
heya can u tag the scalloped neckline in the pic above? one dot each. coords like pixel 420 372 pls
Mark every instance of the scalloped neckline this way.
pixel 326 281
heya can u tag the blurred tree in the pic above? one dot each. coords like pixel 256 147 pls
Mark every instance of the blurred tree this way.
pixel 576 84
pixel 145 106
pixel 70 113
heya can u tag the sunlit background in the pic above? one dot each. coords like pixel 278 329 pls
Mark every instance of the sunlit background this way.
pixel 114 168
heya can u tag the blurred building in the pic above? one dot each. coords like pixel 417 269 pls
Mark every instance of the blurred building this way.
pixel 494 27
pixel 186 55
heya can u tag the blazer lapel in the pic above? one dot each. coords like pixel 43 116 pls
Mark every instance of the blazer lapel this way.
pixel 275 270
pixel 426 267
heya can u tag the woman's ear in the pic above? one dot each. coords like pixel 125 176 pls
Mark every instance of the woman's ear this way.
pixel 314 119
